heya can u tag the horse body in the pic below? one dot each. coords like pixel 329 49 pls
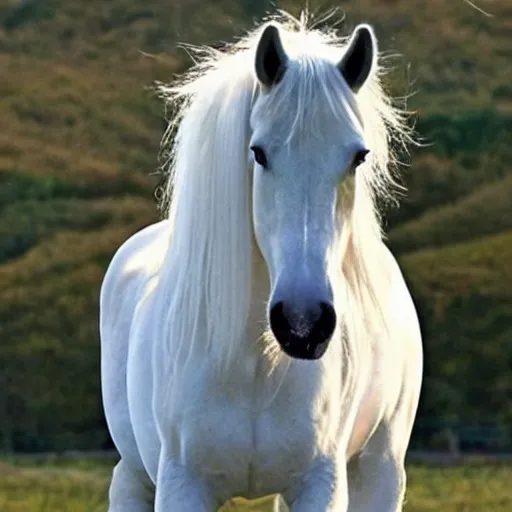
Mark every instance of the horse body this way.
pixel 204 402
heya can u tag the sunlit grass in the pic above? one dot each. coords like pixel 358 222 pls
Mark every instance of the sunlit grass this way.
pixel 53 489
pixel 460 489
pixel 82 486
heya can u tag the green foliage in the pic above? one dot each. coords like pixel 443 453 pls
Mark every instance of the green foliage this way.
pixel 26 11
pixel 465 297
pixel 49 357
pixel 80 132
pixel 468 134
pixel 483 212
pixel 29 222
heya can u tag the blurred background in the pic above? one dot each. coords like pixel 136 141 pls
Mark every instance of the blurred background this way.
pixel 80 129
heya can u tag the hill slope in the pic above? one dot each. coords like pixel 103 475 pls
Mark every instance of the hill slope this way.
pixel 79 136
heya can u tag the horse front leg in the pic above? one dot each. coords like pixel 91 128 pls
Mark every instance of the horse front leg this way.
pixel 322 489
pixel 130 490
pixel 179 491
pixel 376 477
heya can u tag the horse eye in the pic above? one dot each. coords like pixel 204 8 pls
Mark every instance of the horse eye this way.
pixel 359 158
pixel 259 156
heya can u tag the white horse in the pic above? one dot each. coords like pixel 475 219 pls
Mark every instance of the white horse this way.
pixel 261 339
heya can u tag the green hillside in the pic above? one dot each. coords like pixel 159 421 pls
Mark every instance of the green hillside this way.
pixel 79 137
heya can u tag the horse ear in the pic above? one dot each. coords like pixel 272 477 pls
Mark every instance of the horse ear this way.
pixel 359 58
pixel 271 58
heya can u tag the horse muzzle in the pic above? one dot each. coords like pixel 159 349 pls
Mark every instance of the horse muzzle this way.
pixel 305 332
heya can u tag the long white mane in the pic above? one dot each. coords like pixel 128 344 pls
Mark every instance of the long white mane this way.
pixel 207 196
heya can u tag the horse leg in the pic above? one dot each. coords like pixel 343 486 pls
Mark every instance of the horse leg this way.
pixel 376 477
pixel 179 491
pixel 130 491
pixel 322 489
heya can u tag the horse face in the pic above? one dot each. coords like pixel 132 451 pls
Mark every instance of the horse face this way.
pixel 306 142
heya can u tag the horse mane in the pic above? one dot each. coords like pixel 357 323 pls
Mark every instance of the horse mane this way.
pixel 206 196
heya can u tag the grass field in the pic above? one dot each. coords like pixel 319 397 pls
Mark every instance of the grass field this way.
pixel 82 487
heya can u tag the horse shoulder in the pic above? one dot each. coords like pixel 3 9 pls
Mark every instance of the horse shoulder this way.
pixel 132 265
pixel 129 271
pixel 396 365
pixel 131 268
pixel 404 359
pixel 403 319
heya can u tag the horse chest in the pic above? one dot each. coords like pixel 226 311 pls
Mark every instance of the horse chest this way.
pixel 285 446
pixel 240 449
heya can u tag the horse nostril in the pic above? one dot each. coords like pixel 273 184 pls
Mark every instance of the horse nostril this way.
pixel 278 321
pixel 303 332
pixel 326 323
